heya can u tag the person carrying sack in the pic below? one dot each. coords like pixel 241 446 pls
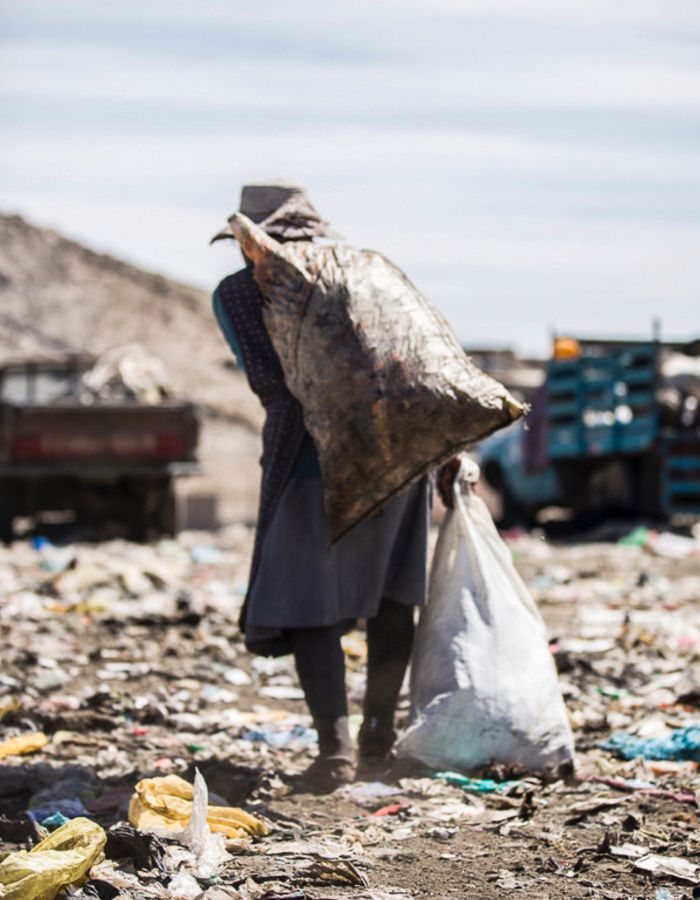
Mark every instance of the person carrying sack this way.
pixel 303 593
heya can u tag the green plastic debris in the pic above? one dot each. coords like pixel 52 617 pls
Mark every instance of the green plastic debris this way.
pixel 612 693
pixel 638 537
pixel 476 785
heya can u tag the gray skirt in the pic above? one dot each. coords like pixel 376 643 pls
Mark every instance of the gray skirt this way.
pixel 304 582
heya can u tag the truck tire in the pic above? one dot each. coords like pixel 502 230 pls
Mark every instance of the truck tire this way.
pixel 512 512
pixel 166 520
pixel 9 496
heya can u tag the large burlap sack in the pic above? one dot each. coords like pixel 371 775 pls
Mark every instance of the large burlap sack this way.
pixel 484 687
pixel 386 389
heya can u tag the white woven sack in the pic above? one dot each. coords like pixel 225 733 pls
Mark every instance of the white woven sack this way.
pixel 483 682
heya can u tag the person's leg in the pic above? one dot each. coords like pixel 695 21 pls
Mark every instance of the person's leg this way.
pixel 389 644
pixel 320 664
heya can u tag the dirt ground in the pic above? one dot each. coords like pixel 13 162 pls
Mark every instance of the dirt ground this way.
pixel 129 659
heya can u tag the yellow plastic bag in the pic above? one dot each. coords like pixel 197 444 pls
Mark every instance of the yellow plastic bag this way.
pixel 164 805
pixel 64 857
pixel 25 743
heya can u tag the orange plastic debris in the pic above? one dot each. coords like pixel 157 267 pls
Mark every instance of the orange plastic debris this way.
pixel 23 743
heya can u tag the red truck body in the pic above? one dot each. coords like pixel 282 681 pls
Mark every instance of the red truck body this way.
pixel 102 460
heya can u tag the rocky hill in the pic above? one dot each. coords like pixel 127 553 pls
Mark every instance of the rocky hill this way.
pixel 57 295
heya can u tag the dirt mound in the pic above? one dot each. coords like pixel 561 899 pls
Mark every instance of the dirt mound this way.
pixel 58 296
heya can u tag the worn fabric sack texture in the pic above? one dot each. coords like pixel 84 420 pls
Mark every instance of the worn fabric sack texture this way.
pixel 386 389
pixel 483 682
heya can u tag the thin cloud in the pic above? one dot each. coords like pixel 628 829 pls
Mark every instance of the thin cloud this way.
pixel 525 161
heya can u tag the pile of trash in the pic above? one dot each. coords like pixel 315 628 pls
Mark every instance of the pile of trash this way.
pixel 143 753
pixel 679 394
pixel 128 372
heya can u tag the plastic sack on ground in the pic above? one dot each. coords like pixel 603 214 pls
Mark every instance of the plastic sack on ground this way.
pixel 63 858
pixel 483 683
pixel 387 390
pixel 164 807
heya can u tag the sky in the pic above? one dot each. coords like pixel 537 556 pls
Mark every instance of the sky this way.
pixel 532 165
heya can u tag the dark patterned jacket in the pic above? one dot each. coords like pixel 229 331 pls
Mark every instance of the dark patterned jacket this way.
pixel 284 431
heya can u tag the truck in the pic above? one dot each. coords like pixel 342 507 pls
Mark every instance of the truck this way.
pixel 67 453
pixel 614 428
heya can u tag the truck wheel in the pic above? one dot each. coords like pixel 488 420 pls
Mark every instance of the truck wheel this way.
pixel 166 522
pixel 512 512
pixel 8 510
pixel 152 509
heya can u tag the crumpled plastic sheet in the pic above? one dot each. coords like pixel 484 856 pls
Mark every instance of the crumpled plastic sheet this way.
pixel 164 806
pixel 669 867
pixel 208 848
pixel 24 743
pixel 63 858
pixel 682 744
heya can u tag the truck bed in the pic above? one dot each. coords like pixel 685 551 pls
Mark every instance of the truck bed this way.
pixel 71 435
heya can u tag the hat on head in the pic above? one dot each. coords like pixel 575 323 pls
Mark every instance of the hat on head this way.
pixel 282 209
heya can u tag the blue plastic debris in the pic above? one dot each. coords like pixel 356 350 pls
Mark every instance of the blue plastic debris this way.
pixel 282 737
pixel 67 807
pixel 207 554
pixel 682 744
pixel 54 821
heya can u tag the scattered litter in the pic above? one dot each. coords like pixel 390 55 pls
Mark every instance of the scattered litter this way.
pixel 636 785
pixel 367 793
pixel 282 692
pixel 147 851
pixel 663 894
pixel 581 810
pixel 237 677
pixel 183 886
pixel 477 785
pixel 669 867
pixel 208 554
pixel 133 665
pixel 682 744
pixel 68 807
pixel 128 371
pixel 629 851
pixel 293 735
pixel 673 546
pixel 208 848
pixel 63 858
pixel 23 744
pixel 391 810
pixel 638 537
pixel 164 806
pixel 54 821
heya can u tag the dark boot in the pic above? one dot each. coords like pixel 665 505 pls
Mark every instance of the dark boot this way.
pixel 320 665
